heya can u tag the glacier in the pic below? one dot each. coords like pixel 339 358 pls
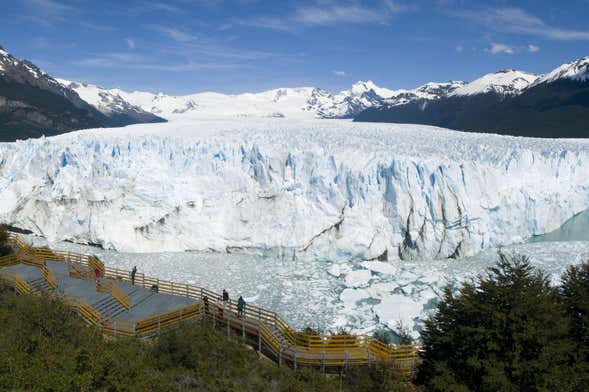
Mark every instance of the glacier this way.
pixel 329 190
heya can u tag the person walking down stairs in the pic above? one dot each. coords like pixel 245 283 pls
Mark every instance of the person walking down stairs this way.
pixel 133 272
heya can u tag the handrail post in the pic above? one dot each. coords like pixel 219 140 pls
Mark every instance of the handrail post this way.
pixel 228 324
pixel 243 329
pixel 280 356
pixel 259 340
pixel 215 317
pixel 158 325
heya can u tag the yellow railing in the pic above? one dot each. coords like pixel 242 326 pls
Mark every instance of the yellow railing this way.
pixel 105 286
pixel 49 276
pixel 78 271
pixel 5 261
pixel 12 279
pixel 296 348
pixel 122 297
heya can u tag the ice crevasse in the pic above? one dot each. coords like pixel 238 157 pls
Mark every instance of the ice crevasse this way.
pixel 324 189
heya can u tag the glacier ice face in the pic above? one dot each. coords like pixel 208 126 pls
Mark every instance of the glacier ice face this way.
pixel 321 189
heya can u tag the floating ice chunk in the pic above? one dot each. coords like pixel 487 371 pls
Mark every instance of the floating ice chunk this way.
pixel 350 297
pixel 334 270
pixel 397 310
pixel 380 267
pixel 358 278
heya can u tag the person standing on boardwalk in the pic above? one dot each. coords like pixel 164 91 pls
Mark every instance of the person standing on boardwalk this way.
pixel 133 272
pixel 225 295
pixel 240 306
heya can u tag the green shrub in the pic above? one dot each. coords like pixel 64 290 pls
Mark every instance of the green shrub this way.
pixel 45 346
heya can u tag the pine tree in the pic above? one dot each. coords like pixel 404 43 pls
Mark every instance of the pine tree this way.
pixel 575 298
pixel 503 332
pixel 4 247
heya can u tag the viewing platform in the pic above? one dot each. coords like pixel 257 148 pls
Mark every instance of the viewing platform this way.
pixel 107 299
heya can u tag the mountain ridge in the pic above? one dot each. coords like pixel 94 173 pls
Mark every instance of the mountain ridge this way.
pixel 553 105
pixel 33 104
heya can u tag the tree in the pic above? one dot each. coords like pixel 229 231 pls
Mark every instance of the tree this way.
pixel 575 298
pixel 502 332
pixel 4 247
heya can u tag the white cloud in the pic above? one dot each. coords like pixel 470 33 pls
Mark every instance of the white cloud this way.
pixel 500 48
pixel 40 43
pixel 134 61
pixel 517 20
pixel 327 13
pixel 339 73
pixel 333 14
pixel 50 7
pixel 161 6
pixel 130 43
pixel 533 48
pixel 175 34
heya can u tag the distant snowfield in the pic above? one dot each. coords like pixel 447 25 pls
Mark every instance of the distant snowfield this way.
pixel 297 189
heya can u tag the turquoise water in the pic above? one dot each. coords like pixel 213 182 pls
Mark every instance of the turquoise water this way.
pixel 575 229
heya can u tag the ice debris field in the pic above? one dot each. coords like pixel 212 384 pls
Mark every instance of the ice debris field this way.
pixel 330 222
pixel 358 296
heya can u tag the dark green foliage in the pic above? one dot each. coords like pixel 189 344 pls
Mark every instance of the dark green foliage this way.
pixel 505 332
pixel 575 298
pixel 46 347
pixel 4 247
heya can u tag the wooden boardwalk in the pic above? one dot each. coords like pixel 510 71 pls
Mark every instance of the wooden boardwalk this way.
pixel 106 299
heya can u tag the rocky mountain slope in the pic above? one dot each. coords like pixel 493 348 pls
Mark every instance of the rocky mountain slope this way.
pixel 118 110
pixel 33 104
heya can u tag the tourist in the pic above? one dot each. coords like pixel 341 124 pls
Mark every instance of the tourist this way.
pixel 240 306
pixel 133 272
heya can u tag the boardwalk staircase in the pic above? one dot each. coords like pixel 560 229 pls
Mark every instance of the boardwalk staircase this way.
pixel 263 329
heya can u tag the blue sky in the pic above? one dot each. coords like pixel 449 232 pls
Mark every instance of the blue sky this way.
pixel 185 46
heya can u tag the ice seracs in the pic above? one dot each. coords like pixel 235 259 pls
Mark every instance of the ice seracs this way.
pixel 319 189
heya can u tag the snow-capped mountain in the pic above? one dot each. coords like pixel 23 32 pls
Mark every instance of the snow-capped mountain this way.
pixel 577 70
pixel 32 103
pixel 323 189
pixel 305 102
pixel 111 104
pixel 429 91
pixel 280 102
pixel 504 83
pixel 508 102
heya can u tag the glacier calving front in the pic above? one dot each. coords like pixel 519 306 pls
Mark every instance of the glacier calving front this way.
pixel 326 189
